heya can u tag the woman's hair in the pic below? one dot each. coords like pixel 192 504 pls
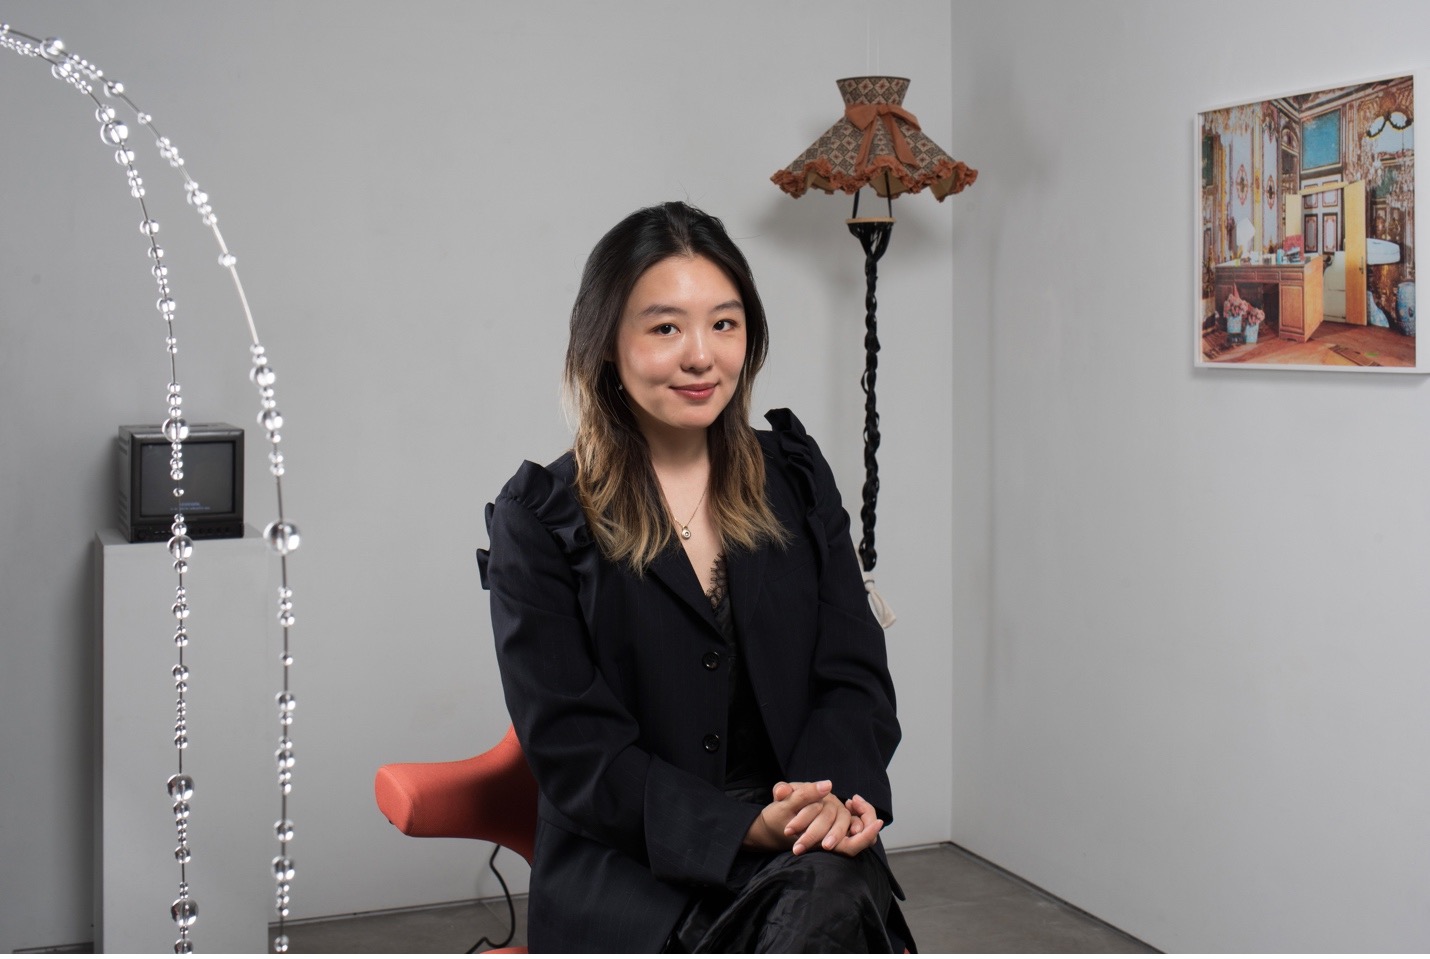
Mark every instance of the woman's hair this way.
pixel 615 482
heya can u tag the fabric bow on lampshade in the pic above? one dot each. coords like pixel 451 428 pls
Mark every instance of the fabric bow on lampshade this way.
pixel 876 143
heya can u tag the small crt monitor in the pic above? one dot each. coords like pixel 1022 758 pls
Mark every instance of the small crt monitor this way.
pixel 210 494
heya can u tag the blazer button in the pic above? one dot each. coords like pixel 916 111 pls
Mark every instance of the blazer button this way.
pixel 712 743
pixel 711 660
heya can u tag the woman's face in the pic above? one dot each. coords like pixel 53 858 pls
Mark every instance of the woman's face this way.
pixel 681 345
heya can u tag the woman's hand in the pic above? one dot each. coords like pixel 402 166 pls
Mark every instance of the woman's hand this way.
pixel 864 826
pixel 804 816
pixel 770 829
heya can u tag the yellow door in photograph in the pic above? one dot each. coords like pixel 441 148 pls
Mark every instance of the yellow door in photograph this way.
pixel 1353 211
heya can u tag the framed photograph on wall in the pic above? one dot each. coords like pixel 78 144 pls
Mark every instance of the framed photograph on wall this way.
pixel 1319 273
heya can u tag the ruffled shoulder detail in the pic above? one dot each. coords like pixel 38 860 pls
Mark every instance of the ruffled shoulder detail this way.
pixel 545 492
pixel 803 461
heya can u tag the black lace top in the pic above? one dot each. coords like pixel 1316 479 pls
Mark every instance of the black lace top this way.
pixel 750 763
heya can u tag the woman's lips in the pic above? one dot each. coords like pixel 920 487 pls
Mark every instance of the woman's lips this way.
pixel 696 391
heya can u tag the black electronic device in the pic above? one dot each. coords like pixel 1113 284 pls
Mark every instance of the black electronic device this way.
pixel 212 500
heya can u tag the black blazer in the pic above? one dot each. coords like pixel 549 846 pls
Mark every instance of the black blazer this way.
pixel 618 687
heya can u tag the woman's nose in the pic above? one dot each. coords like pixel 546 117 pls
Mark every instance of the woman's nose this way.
pixel 697 352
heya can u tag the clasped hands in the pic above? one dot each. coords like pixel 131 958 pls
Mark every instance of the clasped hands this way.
pixel 805 816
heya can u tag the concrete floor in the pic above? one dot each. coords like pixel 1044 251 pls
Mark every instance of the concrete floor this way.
pixel 957 903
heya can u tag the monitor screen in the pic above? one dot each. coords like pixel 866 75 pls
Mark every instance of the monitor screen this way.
pixel 207 483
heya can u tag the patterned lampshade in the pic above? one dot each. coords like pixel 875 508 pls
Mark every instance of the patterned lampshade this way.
pixel 876 143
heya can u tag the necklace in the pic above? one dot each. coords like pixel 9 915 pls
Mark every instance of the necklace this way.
pixel 685 527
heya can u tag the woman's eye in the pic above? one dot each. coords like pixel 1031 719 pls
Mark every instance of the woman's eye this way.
pixel 665 329
pixel 725 324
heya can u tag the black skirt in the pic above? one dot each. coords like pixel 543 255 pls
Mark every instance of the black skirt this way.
pixel 779 902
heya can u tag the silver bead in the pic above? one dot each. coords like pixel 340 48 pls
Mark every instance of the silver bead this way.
pixel 185 911
pixel 181 787
pixel 176 429
pixel 282 538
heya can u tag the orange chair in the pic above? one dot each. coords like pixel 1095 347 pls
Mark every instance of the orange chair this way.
pixel 491 797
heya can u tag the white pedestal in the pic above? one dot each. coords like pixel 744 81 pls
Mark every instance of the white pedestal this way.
pixel 234 672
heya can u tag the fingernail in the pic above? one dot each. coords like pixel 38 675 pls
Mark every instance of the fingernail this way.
pixel 798 848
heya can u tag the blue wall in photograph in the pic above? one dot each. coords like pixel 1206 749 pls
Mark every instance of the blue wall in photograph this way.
pixel 1321 141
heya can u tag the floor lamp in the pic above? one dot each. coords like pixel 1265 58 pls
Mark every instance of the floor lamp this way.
pixel 875 143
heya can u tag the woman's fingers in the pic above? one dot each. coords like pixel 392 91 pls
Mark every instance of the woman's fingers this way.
pixel 839 829
pixel 863 829
pixel 803 804
pixel 823 823
pixel 854 845
pixel 796 796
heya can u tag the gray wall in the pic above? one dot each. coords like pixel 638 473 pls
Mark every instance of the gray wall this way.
pixel 411 190
pixel 1193 701
pixel 1159 650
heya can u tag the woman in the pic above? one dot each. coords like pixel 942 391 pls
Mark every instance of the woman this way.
pixel 684 640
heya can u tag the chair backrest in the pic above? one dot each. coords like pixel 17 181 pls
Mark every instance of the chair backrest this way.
pixel 491 797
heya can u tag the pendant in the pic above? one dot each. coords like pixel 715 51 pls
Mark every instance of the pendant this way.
pixel 685 532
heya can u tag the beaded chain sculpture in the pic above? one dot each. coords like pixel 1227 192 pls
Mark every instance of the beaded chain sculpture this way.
pixel 876 143
pixel 281 535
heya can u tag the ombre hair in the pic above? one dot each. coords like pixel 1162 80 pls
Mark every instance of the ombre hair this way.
pixel 615 482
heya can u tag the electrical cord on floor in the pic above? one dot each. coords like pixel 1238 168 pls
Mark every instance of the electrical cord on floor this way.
pixel 510 907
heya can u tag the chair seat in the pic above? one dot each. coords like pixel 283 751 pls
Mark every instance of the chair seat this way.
pixel 491 797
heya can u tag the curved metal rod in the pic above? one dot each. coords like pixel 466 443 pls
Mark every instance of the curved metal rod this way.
pixel 282 536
